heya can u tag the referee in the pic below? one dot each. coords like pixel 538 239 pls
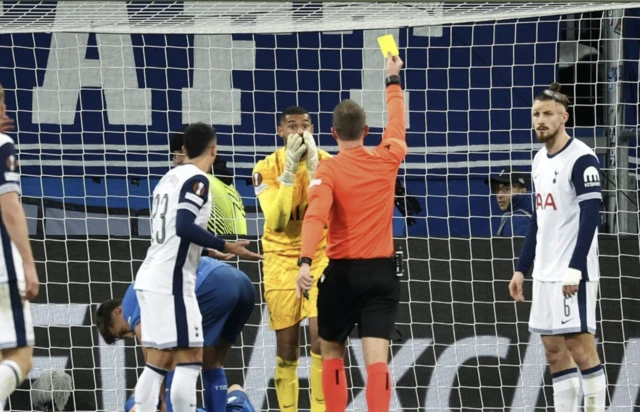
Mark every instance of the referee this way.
pixel 354 192
pixel 228 216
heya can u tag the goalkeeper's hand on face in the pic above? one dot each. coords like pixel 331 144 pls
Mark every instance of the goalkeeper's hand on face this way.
pixel 312 154
pixel 294 151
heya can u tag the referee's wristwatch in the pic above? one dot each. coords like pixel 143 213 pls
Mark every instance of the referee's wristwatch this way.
pixel 393 79
pixel 304 260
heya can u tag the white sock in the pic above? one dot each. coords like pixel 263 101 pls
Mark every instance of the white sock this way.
pixel 148 388
pixel 183 388
pixel 594 387
pixel 566 386
pixel 10 378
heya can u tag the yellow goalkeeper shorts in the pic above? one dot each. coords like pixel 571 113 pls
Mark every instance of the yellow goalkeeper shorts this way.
pixel 280 275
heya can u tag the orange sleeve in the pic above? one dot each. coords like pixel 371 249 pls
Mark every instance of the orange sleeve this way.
pixel 397 125
pixel 320 195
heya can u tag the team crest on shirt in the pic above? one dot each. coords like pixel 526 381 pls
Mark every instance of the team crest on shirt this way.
pixel 198 188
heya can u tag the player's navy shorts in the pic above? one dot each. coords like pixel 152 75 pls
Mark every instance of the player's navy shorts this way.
pixel 365 292
pixel 226 299
pixel 238 401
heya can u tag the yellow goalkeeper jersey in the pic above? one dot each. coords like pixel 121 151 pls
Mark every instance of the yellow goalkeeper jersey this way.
pixel 283 234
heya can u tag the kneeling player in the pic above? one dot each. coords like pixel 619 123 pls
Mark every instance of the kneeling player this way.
pixel 225 297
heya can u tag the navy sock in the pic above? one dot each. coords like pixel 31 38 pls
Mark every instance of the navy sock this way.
pixel 215 390
pixel 167 394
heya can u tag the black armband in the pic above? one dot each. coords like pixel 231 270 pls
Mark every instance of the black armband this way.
pixel 393 79
pixel 304 260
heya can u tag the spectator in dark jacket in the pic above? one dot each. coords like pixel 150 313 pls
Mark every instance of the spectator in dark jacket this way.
pixel 510 188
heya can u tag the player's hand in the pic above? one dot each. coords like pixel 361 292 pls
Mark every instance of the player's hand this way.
pixel 515 287
pixel 33 283
pixel 295 150
pixel 239 249
pixel 394 64
pixel 312 153
pixel 6 123
pixel 304 281
pixel 212 253
pixel 570 282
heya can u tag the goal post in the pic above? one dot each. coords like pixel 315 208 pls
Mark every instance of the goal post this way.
pixel 98 87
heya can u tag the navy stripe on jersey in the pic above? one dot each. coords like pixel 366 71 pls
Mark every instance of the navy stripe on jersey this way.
pixel 585 177
pixel 582 306
pixel 7 254
pixel 9 178
pixel 182 326
pixel 194 193
pixel 14 293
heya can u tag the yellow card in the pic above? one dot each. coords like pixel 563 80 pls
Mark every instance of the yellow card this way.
pixel 388 45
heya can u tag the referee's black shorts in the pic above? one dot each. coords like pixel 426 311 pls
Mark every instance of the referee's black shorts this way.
pixel 360 291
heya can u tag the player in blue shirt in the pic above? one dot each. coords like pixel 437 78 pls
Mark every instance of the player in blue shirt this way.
pixel 237 401
pixel 225 297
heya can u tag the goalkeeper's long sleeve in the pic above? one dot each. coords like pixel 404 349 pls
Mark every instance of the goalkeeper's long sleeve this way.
pixel 276 206
pixel 528 251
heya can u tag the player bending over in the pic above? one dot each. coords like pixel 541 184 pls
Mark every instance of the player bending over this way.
pixel 166 281
pixel 355 193
pixel 18 277
pixel 225 297
pixel 562 243
pixel 280 181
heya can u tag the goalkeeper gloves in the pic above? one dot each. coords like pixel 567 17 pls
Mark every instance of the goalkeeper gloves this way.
pixel 294 151
pixel 571 277
pixel 312 154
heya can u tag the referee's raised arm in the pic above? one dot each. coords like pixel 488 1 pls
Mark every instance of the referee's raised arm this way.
pixel 354 192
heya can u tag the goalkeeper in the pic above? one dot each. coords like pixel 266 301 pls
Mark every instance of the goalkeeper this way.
pixel 280 182
pixel 225 297
pixel 354 192
pixel 228 216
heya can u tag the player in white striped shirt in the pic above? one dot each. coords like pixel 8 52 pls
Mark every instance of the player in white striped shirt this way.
pixel 18 277
pixel 562 243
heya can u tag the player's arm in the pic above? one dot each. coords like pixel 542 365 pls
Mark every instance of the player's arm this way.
pixel 320 194
pixel 585 177
pixel 520 224
pixel 276 200
pixel 14 218
pixel 528 250
pixel 394 135
pixel 193 196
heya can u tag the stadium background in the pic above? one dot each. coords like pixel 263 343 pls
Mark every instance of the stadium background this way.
pixel 90 178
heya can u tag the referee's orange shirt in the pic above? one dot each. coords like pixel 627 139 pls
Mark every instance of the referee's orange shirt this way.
pixel 355 193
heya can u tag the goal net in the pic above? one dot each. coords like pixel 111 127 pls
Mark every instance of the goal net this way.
pixel 97 88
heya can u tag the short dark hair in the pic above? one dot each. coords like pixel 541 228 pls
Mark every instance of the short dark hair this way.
pixel 292 110
pixel 349 120
pixel 197 137
pixel 177 140
pixel 553 93
pixel 104 319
